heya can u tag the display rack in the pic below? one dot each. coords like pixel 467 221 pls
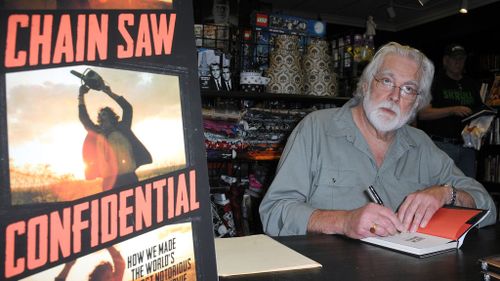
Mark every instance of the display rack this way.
pixel 241 172
pixel 489 157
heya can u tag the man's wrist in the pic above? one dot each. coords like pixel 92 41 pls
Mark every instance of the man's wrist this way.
pixel 452 194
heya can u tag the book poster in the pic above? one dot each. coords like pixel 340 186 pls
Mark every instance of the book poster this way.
pixel 164 254
pixel 102 162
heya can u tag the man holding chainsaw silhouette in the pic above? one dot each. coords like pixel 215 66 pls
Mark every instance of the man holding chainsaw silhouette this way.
pixel 111 151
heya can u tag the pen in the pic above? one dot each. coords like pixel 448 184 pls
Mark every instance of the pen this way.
pixel 374 195
pixel 375 198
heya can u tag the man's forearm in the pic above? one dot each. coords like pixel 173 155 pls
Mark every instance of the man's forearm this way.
pixel 110 93
pixel 434 113
pixel 327 221
pixel 81 99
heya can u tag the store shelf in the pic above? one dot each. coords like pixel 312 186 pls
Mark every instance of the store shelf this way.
pixel 245 157
pixel 271 118
pixel 339 101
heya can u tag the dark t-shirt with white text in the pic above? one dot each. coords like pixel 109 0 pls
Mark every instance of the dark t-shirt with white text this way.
pixel 448 92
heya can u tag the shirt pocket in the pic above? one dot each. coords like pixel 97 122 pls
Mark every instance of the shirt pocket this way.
pixel 397 190
pixel 337 189
pixel 410 178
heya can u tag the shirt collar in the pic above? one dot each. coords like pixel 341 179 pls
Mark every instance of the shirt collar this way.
pixel 342 123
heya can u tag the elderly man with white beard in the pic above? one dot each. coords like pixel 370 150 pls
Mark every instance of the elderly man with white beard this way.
pixel 333 155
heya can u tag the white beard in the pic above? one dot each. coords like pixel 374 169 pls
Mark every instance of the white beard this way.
pixel 382 121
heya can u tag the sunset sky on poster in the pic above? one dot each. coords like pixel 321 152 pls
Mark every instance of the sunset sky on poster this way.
pixel 44 129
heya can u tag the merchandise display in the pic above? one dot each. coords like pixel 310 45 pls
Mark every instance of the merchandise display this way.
pixel 317 66
pixel 243 139
pixel 212 36
pixel 286 24
pixel 253 81
pixel 259 134
pixel 285 69
pixel 489 160
pixel 259 41
pixel 350 53
pixel 212 64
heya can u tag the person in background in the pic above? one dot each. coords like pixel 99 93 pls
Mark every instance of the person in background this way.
pixel 454 96
pixel 333 155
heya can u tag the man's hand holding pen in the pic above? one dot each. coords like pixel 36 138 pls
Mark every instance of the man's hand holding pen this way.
pixel 385 221
pixel 371 220
pixel 418 207
pixel 375 219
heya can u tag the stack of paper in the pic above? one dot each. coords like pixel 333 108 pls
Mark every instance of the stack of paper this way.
pixel 256 254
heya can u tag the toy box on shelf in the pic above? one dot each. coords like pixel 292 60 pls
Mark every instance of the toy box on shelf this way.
pixel 258 40
pixel 213 36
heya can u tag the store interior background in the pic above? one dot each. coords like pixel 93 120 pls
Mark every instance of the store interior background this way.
pixel 429 28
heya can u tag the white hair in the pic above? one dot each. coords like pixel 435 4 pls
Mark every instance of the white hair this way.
pixel 426 70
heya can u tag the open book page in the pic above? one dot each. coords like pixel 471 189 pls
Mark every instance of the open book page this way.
pixel 446 230
pixel 413 243
pixel 255 254
pixel 414 240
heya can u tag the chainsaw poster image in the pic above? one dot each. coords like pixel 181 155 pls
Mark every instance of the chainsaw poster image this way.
pixel 103 171
pixel 59 155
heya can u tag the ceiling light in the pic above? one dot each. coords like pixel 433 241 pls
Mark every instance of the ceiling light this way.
pixel 463 7
pixel 391 12
pixel 422 2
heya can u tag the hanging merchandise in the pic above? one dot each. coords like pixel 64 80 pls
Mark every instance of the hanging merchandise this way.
pixel 319 79
pixel 368 49
pixel 285 66
pixel 222 216
pixel 348 54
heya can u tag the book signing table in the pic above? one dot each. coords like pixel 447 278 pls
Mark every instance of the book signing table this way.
pixel 347 259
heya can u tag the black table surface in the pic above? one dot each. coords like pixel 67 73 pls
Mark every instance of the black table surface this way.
pixel 347 259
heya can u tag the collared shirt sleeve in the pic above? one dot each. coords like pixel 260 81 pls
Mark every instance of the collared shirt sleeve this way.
pixel 284 210
pixel 446 171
